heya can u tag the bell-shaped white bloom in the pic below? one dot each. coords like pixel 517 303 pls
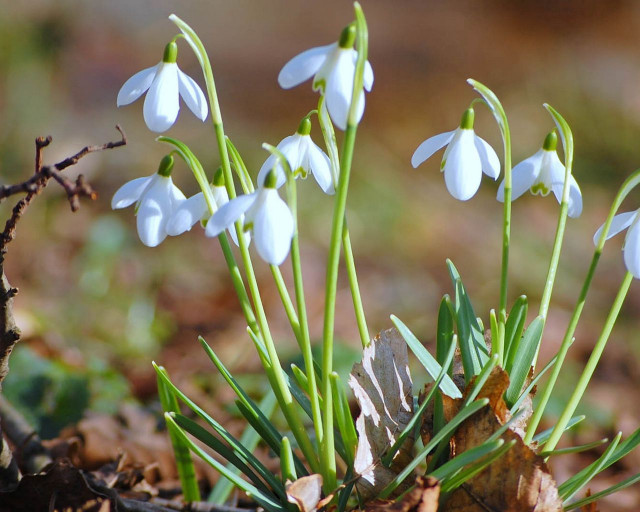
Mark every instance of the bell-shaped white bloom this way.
pixel 196 209
pixel 266 214
pixel 333 68
pixel 631 250
pixel 165 83
pixel 304 158
pixel 156 199
pixel 467 156
pixel 542 173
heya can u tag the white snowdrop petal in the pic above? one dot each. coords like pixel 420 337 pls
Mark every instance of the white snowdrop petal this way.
pixel 269 164
pixel 463 170
pixel 340 88
pixel 321 168
pixel 187 214
pixel 154 211
pixel 557 173
pixel 303 66
pixel 368 76
pixel 161 104
pixel 130 192
pixel 136 86
pixel 575 198
pixel 523 176
pixel 220 196
pixel 273 228
pixel 632 250
pixel 619 223
pixel 228 214
pixel 430 146
pixel 488 158
pixel 192 95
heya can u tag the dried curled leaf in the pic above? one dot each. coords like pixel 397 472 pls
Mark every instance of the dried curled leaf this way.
pixel 518 481
pixel 305 492
pixel 422 498
pixel 382 386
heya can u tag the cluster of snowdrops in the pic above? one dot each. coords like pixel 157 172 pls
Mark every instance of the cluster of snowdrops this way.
pixel 341 73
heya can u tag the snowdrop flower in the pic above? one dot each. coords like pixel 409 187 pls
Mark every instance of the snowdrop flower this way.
pixel 541 173
pixel 156 198
pixel 165 82
pixel 631 250
pixel 467 156
pixel 196 209
pixel 304 158
pixel 266 214
pixel 333 69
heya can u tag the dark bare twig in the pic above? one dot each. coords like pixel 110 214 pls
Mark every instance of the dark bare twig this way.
pixel 9 332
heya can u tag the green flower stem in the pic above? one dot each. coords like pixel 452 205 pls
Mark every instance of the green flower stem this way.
pixel 280 386
pixel 278 380
pixel 329 136
pixel 630 183
pixel 289 310
pixel 587 373
pixel 353 284
pixel 305 341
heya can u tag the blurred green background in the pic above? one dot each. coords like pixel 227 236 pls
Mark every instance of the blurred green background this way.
pixel 96 301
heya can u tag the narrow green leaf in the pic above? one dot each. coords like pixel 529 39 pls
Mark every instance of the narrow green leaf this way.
pixel 513 331
pixel 301 378
pixel 249 439
pixel 449 468
pixel 448 430
pixel 265 499
pixel 240 167
pixel 432 366
pixel 344 420
pixel 238 459
pixel 473 347
pixel 287 466
pixel 568 492
pixel 181 453
pixel 622 450
pixel 444 332
pixel 575 449
pixel 524 357
pixel 468 473
pixel 545 434
pixel 599 495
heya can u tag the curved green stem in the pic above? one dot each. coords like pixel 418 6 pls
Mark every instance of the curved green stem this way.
pixel 630 183
pixel 590 367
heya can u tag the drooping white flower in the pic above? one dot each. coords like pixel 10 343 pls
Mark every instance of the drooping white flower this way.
pixel 631 250
pixel 333 69
pixel 196 209
pixel 266 214
pixel 467 156
pixel 304 158
pixel 156 198
pixel 542 173
pixel 165 83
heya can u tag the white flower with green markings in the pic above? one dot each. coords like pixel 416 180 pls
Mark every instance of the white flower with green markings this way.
pixel 265 214
pixel 333 68
pixel 542 173
pixel 156 199
pixel 164 82
pixel 304 158
pixel 631 250
pixel 467 156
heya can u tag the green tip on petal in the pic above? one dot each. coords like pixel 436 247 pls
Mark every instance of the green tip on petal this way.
pixel 550 141
pixel 218 178
pixel 166 166
pixel 271 180
pixel 304 128
pixel 348 36
pixel 466 123
pixel 170 53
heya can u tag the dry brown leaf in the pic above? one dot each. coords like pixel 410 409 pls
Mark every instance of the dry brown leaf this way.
pixel 518 481
pixel 305 492
pixel 382 386
pixel 422 498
